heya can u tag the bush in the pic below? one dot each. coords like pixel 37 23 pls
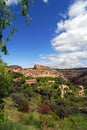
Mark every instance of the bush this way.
pixel 17 84
pixel 60 81
pixel 24 106
pixel 63 112
pixel 21 101
pixel 23 80
pixel 18 98
pixel 44 108
pixel 45 93
pixel 62 109
pixel 54 107
pixel 61 103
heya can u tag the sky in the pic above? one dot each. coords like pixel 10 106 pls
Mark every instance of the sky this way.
pixel 56 36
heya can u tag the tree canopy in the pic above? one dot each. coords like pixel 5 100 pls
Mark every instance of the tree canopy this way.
pixel 7 16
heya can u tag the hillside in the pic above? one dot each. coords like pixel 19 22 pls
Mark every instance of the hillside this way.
pixel 76 76
pixel 43 98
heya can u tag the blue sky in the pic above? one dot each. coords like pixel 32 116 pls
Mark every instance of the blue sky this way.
pixel 56 36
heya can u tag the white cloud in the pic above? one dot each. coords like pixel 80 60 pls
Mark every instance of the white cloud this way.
pixel 65 60
pixel 9 2
pixel 45 1
pixel 70 41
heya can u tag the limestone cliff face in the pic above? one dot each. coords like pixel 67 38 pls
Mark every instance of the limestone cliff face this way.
pixel 37 71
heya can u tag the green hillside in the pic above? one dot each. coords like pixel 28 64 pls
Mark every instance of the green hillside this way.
pixel 40 106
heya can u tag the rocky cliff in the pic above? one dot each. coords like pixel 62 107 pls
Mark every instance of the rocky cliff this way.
pixel 36 71
pixel 76 76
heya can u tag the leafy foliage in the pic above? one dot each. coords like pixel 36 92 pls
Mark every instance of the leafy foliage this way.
pixel 24 106
pixel 5 79
pixel 7 16
pixel 5 83
pixel 2 116
pixel 44 108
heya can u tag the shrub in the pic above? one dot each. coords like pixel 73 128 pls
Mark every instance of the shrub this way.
pixel 45 93
pixel 44 108
pixel 24 106
pixel 21 101
pixel 54 107
pixel 62 112
pixel 60 80
pixel 61 103
pixel 23 80
pixel 17 84
pixel 61 109
pixel 18 97
pixel 28 93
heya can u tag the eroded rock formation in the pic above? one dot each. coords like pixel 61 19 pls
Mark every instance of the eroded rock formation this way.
pixel 82 91
pixel 37 71
pixel 64 89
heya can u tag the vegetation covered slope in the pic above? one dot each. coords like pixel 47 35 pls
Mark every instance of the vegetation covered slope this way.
pixel 48 103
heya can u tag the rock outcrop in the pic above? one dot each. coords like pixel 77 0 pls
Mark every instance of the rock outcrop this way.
pixel 75 76
pixel 15 68
pixel 37 71
pixel 82 91
pixel 64 89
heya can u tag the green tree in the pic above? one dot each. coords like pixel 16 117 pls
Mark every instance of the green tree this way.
pixel 7 16
pixel 5 79
pixel 5 83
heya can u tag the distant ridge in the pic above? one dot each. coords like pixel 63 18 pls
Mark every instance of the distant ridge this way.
pixel 74 75
pixel 72 68
pixel 36 71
